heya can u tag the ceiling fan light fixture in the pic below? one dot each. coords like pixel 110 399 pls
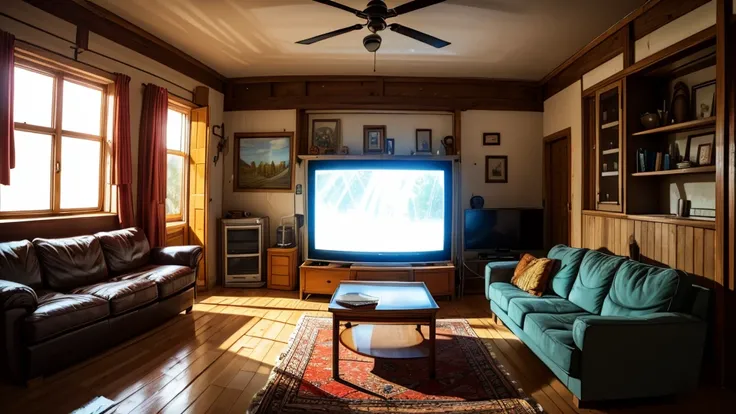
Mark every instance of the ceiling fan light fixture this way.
pixel 372 42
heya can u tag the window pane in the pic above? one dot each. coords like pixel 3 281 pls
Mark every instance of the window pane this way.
pixel 33 97
pixel 174 184
pixel 80 173
pixel 30 180
pixel 81 110
pixel 175 130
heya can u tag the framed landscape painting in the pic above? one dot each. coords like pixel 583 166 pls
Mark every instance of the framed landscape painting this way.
pixel 264 162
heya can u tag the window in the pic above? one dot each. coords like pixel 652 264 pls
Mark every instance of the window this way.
pixel 177 162
pixel 59 124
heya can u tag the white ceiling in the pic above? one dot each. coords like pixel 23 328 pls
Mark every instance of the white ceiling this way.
pixel 513 39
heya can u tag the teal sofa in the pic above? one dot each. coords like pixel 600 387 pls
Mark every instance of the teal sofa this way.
pixel 608 327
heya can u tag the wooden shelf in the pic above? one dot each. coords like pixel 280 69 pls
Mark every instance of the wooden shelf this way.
pixel 682 126
pixel 693 170
pixel 609 125
pixel 610 151
pixel 701 222
pixel 609 174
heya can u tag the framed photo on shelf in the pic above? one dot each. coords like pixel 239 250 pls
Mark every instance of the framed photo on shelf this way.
pixel 491 138
pixel 497 169
pixel 374 139
pixel 694 142
pixel 264 161
pixel 705 154
pixel 326 134
pixel 703 97
pixel 424 140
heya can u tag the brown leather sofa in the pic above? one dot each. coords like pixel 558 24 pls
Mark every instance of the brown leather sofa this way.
pixel 63 300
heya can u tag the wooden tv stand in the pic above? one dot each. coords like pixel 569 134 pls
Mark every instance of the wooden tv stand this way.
pixel 313 279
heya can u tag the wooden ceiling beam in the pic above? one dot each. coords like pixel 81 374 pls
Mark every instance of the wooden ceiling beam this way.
pixel 98 20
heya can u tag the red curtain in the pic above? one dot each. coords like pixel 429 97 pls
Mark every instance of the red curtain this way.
pixel 7 139
pixel 122 167
pixel 151 214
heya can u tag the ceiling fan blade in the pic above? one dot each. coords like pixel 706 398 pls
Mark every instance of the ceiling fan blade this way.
pixel 342 7
pixel 411 6
pixel 417 35
pixel 324 36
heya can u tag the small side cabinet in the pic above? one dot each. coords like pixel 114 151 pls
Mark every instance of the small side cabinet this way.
pixel 282 268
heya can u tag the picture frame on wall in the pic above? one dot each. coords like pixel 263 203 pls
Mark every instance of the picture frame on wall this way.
pixel 374 139
pixel 705 154
pixel 703 99
pixel 491 138
pixel 264 161
pixel 497 169
pixel 423 141
pixel 693 146
pixel 326 135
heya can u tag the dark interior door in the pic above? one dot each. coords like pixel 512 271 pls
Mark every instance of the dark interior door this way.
pixel 557 189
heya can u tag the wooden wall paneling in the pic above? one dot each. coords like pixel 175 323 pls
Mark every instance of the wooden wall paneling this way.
pixel 665 240
pixel 617 237
pixel 303 139
pixel 637 235
pixel 630 231
pixel 672 237
pixel 658 242
pixel 644 241
pixel 113 27
pixel 57 227
pixel 709 240
pixel 457 130
pixel 651 247
pixel 680 247
pixel 698 246
pixel 689 250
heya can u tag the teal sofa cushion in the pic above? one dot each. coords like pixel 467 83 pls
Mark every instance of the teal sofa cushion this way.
pixel 569 259
pixel 594 280
pixel 639 289
pixel 520 307
pixel 553 335
pixel 502 293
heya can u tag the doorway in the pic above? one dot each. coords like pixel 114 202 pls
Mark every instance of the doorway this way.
pixel 557 188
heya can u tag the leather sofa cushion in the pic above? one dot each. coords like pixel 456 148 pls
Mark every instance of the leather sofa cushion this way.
pixel 640 289
pixel 594 280
pixel 58 313
pixel 19 264
pixel 169 279
pixel 521 307
pixel 566 271
pixel 125 250
pixel 553 335
pixel 123 295
pixel 71 262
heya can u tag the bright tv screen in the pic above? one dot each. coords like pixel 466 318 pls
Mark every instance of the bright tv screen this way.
pixel 379 210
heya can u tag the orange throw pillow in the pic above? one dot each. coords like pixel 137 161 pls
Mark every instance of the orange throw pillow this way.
pixel 523 263
pixel 534 277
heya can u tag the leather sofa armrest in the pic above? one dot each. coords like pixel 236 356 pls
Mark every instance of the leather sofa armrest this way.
pixel 17 296
pixel 177 255
pixel 499 272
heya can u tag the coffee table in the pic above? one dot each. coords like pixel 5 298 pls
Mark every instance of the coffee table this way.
pixel 400 303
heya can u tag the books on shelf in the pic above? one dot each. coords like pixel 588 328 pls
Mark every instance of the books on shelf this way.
pixel 652 161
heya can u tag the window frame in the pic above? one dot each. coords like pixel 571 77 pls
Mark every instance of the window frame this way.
pixel 187 112
pixel 56 132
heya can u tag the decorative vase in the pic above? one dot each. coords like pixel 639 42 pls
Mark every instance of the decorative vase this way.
pixel 476 202
pixel 650 120
pixel 681 103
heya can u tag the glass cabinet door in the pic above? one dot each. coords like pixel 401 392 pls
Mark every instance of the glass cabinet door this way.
pixel 608 143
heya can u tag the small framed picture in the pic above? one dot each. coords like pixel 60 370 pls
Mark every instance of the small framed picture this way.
pixel 692 151
pixel 374 138
pixel 491 138
pixel 703 97
pixel 424 140
pixel 704 154
pixel 390 146
pixel 326 134
pixel 497 169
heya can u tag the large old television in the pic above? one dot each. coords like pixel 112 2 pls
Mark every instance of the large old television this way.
pixel 378 211
pixel 502 229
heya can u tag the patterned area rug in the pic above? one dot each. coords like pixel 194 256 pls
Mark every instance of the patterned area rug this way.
pixel 468 379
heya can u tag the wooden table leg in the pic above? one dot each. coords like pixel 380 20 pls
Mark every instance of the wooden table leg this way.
pixel 335 347
pixel 432 347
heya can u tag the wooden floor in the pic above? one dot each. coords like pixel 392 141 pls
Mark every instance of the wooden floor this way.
pixel 216 358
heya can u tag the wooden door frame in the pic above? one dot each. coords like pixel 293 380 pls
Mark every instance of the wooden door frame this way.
pixel 548 140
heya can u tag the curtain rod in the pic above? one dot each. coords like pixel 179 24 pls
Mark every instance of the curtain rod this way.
pixel 91 51
pixel 170 93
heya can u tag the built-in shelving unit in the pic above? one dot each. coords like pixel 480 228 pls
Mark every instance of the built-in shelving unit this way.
pixel 609 174
pixel 681 127
pixel 693 170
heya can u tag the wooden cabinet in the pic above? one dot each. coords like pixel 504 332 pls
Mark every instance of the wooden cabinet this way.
pixel 282 268
pixel 440 279
pixel 609 147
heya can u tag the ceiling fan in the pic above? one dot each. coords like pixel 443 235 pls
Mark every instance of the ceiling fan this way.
pixel 375 15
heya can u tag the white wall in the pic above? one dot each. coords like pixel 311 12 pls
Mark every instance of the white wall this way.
pixel 271 204
pixel 36 17
pixel 603 71
pixel 561 111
